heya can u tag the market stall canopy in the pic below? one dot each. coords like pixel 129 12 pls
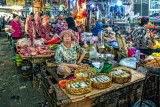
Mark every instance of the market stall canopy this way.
pixel 15 2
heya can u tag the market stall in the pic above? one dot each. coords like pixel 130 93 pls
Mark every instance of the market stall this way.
pixel 108 74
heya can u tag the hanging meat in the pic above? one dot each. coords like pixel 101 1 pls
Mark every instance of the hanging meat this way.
pixel 29 29
pixel 38 23
pixel 45 25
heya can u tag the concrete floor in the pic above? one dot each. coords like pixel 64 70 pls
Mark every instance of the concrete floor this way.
pixel 13 83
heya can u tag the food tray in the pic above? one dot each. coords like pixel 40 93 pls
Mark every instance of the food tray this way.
pixel 83 69
pixel 153 70
pixel 154 66
pixel 121 80
pixel 102 85
pixel 78 91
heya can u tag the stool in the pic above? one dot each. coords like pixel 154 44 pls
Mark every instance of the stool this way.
pixel 156 94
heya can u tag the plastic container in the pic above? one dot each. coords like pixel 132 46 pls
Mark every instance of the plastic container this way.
pixel 18 56
pixel 92 53
pixel 18 65
pixel 62 83
pixel 137 55
pixel 14 58
pixel 19 60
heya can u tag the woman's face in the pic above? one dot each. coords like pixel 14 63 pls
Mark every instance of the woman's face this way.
pixel 67 38
pixel 66 23
pixel 16 18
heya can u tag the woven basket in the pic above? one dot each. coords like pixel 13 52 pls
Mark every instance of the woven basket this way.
pixel 102 85
pixel 51 64
pixel 121 80
pixel 78 91
pixel 83 69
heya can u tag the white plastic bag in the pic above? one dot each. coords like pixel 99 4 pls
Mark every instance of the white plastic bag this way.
pixel 129 62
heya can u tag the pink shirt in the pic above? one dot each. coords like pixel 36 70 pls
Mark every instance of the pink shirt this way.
pixel 16 27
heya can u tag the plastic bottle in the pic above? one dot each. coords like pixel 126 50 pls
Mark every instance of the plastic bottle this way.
pixel 137 55
pixel 92 53
pixel 91 42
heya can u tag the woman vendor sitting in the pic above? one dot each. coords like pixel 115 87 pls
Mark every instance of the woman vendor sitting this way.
pixel 66 54
pixel 143 39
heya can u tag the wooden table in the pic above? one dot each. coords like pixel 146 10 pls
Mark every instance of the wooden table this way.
pixel 110 97
pixel 136 77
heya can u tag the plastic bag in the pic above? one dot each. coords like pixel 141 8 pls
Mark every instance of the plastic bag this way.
pixel 129 62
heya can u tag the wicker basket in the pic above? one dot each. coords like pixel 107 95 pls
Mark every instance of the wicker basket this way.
pixel 51 64
pixel 121 80
pixel 102 85
pixel 83 69
pixel 78 91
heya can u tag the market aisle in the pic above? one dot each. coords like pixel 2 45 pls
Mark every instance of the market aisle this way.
pixel 15 89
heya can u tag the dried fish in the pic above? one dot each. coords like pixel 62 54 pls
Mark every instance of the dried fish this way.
pixel 100 78
pixel 85 73
pixel 79 84
pixel 120 73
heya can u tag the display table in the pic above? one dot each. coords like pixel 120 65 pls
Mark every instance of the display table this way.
pixel 118 94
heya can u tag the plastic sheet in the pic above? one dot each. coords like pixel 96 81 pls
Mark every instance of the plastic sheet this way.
pixel 129 62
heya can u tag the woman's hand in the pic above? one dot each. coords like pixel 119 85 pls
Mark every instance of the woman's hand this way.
pixel 78 63
pixel 81 58
pixel 11 29
pixel 75 66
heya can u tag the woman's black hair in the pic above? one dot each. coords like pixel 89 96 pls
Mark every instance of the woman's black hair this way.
pixel 71 24
pixel 143 21
pixel 14 16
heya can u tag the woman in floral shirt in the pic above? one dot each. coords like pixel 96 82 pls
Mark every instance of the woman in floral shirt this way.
pixel 143 39
pixel 66 54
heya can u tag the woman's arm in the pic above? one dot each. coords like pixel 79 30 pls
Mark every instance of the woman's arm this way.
pixel 10 29
pixel 75 66
pixel 81 58
pixel 82 52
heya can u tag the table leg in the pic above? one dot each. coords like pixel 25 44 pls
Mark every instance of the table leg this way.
pixel 157 91
pixel 143 91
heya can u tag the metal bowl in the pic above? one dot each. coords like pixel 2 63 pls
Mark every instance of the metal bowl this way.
pixel 153 70
pixel 107 57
